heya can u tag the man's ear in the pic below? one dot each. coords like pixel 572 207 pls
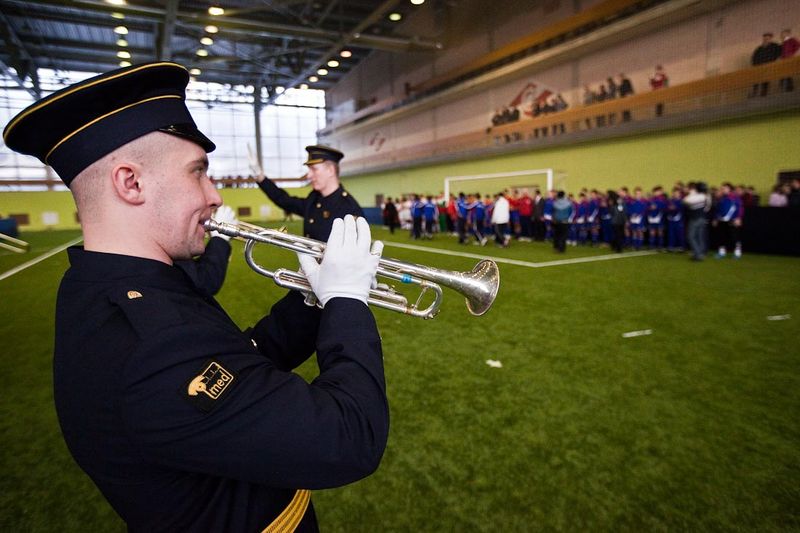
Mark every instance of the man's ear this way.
pixel 126 180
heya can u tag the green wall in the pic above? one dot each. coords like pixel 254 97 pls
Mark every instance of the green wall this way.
pixel 750 151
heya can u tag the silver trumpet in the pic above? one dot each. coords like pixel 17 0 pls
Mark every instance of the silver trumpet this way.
pixel 479 286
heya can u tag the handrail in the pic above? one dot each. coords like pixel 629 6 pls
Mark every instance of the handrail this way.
pixel 707 93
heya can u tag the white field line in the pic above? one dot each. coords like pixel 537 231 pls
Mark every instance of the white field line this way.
pixel 517 262
pixel 51 253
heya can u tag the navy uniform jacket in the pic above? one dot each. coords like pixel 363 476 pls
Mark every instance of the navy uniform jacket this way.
pixel 318 211
pixel 183 423
pixel 208 271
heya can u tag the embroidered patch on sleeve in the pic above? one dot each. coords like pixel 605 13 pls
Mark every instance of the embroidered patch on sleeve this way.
pixel 206 388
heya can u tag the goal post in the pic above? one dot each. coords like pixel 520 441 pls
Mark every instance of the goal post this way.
pixel 491 183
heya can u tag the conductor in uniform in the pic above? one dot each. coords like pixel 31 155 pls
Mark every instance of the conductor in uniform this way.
pixel 327 201
pixel 182 420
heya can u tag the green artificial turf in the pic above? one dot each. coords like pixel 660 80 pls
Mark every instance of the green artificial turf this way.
pixel 694 427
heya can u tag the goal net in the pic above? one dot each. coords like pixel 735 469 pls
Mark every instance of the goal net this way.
pixel 543 179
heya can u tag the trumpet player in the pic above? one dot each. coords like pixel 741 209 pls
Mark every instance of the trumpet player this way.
pixel 327 201
pixel 183 421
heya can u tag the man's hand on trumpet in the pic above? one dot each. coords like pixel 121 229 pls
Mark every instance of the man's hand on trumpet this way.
pixel 348 264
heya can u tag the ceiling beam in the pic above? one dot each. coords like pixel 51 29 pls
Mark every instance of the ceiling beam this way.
pixel 250 26
pixel 21 59
pixel 164 46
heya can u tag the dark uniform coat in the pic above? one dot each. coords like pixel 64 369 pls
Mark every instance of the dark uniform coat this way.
pixel 207 272
pixel 186 423
pixel 318 211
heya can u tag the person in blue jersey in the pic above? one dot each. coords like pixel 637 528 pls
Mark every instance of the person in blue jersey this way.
pixel 581 212
pixel 184 421
pixel 488 206
pixel 563 213
pixel 675 227
pixel 606 229
pixel 475 216
pixel 728 219
pixel 430 212
pixel 417 206
pixel 656 207
pixel 547 215
pixel 636 220
pixel 593 217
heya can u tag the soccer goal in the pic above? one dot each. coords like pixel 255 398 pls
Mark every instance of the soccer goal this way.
pixel 545 179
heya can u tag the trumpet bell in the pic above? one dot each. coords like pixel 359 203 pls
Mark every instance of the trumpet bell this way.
pixel 481 286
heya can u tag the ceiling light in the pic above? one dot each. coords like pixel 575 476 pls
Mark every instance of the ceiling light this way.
pixel 121 30
pixel 124 63
pixel 202 52
pixel 313 79
pixel 208 41
pixel 333 63
pixel 279 89
pixel 118 16
pixel 345 53
pixel 194 72
pixel 394 17
pixel 417 2
pixel 322 71
pixel 304 86
pixel 216 11
pixel 116 2
pixel 122 42
pixel 211 29
pixel 124 54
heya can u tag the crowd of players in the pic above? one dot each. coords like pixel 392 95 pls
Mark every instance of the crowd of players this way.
pixel 620 219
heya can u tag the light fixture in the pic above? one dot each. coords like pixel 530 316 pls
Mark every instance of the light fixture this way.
pixel 322 71
pixel 304 86
pixel 208 41
pixel 116 2
pixel 122 42
pixel 211 29
pixel 215 11
pixel 333 63
pixel 121 30
pixel 202 52
pixel 124 54
pixel 279 89
pixel 417 2
pixel 394 17
pixel 118 16
pixel 345 53
pixel 313 79
pixel 194 71
pixel 124 63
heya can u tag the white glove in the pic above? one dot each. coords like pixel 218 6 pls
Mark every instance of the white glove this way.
pixel 348 265
pixel 224 213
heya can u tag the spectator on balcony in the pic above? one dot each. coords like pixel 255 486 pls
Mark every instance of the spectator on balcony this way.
pixel 612 88
pixel 766 52
pixel 589 97
pixel 789 47
pixel 560 103
pixel 625 86
pixel 659 80
pixel 602 94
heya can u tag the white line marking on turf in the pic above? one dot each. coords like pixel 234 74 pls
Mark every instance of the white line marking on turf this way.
pixel 39 259
pixel 494 364
pixel 589 259
pixel 639 333
pixel 779 317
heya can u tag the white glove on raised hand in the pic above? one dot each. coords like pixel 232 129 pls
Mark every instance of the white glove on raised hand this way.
pixel 224 213
pixel 348 265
